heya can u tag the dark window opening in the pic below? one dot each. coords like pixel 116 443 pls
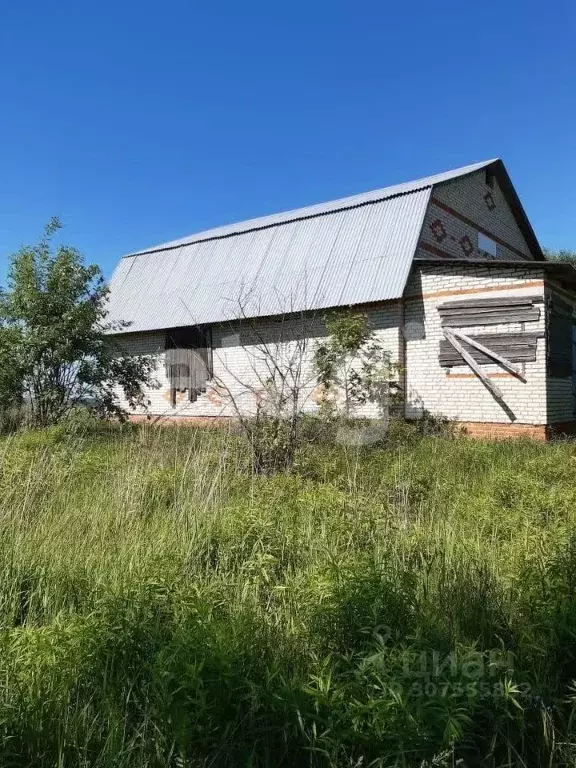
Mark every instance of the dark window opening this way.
pixel 188 360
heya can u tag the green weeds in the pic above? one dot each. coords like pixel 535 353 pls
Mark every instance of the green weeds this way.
pixel 408 605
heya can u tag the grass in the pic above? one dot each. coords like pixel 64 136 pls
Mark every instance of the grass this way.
pixel 412 605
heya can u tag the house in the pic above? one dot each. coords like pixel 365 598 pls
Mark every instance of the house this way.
pixel 447 269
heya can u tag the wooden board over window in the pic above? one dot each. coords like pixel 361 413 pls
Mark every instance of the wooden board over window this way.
pixel 509 309
pixel 515 347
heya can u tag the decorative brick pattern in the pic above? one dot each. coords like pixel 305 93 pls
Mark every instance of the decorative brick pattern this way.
pixel 466 196
pixel 438 230
pixel 471 199
pixel 466 245
pixel 489 200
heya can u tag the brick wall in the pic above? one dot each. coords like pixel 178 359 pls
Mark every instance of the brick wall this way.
pixel 238 361
pixel 458 210
pixel 456 392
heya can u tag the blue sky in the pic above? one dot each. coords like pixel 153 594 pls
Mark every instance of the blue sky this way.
pixel 142 122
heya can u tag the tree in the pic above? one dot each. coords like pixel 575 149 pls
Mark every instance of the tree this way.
pixel 10 381
pixel 561 255
pixel 269 398
pixel 53 335
pixel 353 367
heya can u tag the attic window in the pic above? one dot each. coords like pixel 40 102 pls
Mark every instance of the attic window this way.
pixel 487 245
pixel 490 178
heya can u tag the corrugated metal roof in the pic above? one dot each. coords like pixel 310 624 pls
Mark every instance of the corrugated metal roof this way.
pixel 349 251
pixel 320 208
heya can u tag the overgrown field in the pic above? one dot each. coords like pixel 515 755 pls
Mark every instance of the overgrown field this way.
pixel 409 605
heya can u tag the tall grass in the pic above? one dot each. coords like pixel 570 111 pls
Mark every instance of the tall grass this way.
pixel 160 605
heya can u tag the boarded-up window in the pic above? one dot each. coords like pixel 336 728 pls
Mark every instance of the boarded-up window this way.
pixel 515 347
pixel 188 360
pixel 492 311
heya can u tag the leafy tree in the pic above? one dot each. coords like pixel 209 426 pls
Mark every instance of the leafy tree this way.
pixel 353 367
pixel 561 255
pixel 10 381
pixel 54 350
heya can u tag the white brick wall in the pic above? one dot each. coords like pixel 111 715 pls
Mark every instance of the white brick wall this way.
pixel 239 364
pixel 430 387
pixel 467 399
pixel 466 197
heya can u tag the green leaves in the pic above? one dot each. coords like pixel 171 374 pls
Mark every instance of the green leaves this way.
pixel 561 255
pixel 349 331
pixel 352 365
pixel 52 336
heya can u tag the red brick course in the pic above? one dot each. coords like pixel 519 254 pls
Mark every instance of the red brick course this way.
pixel 175 421
pixel 493 431
pixel 489 431
pixel 479 430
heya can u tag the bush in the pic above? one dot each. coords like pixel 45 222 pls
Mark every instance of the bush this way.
pixel 11 418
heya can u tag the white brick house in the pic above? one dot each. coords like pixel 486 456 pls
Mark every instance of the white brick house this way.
pixel 439 265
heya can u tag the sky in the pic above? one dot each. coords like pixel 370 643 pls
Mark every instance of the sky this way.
pixel 138 123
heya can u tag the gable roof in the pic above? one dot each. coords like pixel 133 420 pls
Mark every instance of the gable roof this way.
pixel 319 209
pixel 349 251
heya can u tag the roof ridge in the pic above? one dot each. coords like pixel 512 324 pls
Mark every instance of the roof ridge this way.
pixel 200 239
pixel 315 210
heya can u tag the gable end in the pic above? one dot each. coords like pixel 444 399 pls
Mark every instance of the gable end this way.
pixel 479 216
